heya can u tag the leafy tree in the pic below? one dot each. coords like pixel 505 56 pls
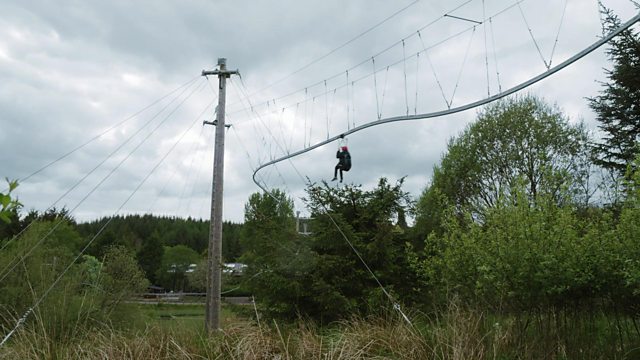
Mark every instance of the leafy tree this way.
pixel 8 205
pixel 617 106
pixel 42 255
pixel 270 242
pixel 198 277
pixel 527 258
pixel 121 277
pixel 518 139
pixel 10 224
pixel 176 261
pixel 269 224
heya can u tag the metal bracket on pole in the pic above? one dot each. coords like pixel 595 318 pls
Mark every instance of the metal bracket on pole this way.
pixel 214 123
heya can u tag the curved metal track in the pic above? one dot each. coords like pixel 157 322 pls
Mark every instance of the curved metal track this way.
pixel 458 109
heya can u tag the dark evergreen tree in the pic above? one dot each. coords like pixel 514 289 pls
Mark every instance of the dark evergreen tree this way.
pixel 618 104
pixel 150 255
pixel 372 221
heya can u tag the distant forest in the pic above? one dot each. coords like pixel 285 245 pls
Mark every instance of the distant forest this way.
pixel 133 230
pixel 157 242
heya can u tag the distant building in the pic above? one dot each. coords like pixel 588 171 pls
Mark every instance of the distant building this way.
pixel 303 225
pixel 236 269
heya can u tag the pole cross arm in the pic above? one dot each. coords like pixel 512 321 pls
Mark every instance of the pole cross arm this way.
pixel 215 123
pixel 225 73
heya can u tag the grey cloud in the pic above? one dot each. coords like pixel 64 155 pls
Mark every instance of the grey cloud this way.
pixel 70 70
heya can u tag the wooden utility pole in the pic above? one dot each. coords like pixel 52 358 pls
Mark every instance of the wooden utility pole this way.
pixel 214 263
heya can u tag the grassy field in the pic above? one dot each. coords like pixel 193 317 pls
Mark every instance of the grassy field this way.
pixel 188 317
pixel 172 331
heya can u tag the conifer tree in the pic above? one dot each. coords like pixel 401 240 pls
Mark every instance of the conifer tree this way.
pixel 618 104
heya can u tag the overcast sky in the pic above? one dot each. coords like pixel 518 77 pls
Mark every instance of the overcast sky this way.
pixel 130 70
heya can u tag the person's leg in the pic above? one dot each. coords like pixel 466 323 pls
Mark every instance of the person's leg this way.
pixel 340 174
pixel 335 173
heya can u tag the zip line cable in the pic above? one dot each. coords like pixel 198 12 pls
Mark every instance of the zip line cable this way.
pixel 337 48
pixel 61 157
pixel 547 65
pixel 312 98
pixel 464 62
pixel 495 56
pixel 168 180
pixel 404 66
pixel 375 87
pixel 189 172
pixel 396 305
pixel 555 43
pixel 429 24
pixel 326 106
pixel 44 295
pixel 348 102
pixel 113 170
pixel 206 189
pixel 415 101
pixel 244 93
pixel 467 106
pixel 384 92
pixel 425 51
pixel 75 185
pixel 433 70
pixel 440 113
pixel 486 50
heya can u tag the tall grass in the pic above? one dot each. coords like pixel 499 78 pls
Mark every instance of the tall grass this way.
pixel 453 333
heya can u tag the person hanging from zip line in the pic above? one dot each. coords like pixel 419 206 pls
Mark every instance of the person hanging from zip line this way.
pixel 344 162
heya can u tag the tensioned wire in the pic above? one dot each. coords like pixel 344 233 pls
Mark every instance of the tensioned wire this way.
pixel 337 48
pixel 318 83
pixel 169 179
pixel 65 155
pixel 10 267
pixel 547 65
pixel 242 91
pixel 510 91
pixel 396 305
pixel 425 51
pixel 555 42
pixel 187 181
pixel 373 73
pixel 201 161
pixel 379 68
pixel 193 158
pixel 110 155
pixel 55 282
pixel 464 107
